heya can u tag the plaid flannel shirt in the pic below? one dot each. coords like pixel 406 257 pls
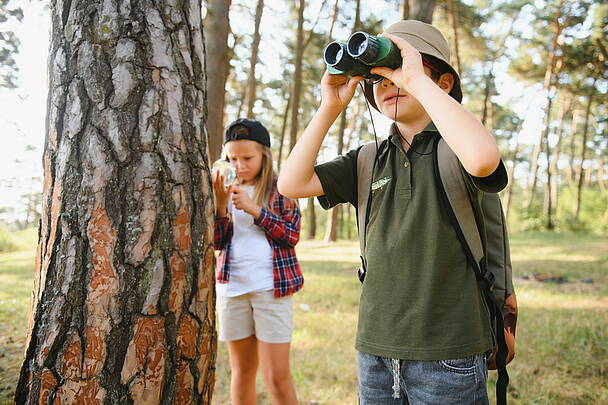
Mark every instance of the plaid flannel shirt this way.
pixel 282 232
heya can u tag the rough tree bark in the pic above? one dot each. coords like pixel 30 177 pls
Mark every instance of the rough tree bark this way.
pixel 123 303
pixel 217 60
pixel 253 61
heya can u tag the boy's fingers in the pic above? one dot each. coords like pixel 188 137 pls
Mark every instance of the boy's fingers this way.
pixel 352 83
pixel 383 71
pixel 400 42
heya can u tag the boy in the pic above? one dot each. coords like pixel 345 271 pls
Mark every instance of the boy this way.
pixel 424 328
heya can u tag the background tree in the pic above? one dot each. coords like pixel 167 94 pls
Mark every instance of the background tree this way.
pixel 122 309
pixel 251 81
pixel 218 53
pixel 9 43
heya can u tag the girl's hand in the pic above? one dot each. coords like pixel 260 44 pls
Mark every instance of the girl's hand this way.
pixel 221 193
pixel 337 90
pixel 242 201
pixel 411 68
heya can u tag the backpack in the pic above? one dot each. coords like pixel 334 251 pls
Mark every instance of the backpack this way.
pixel 482 232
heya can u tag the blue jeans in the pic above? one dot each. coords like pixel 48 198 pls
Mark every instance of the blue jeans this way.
pixel 385 381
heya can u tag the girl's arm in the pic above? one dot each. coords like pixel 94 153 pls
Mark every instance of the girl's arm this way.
pixel 285 227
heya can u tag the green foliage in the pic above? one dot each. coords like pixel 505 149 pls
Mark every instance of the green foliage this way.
pixel 20 240
pixel 7 242
pixel 593 216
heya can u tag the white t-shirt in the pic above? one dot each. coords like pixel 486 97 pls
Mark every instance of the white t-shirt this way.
pixel 250 256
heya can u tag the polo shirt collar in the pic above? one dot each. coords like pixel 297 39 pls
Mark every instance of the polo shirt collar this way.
pixel 394 134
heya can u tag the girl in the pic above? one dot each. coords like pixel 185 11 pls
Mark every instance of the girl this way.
pixel 256 229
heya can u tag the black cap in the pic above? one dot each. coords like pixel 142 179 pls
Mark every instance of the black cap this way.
pixel 255 131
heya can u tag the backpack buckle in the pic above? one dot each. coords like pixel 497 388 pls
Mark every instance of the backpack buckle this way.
pixel 488 278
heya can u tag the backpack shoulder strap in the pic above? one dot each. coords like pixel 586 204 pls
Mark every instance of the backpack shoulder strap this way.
pixel 459 206
pixel 366 158
pixel 459 199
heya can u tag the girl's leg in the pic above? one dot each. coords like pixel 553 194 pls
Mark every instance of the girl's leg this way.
pixel 243 366
pixel 274 358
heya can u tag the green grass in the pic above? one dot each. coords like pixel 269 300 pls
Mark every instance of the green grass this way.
pixel 562 339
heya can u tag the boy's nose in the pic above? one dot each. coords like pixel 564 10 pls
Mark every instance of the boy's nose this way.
pixel 386 83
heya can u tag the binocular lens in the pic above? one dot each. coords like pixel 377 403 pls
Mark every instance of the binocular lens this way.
pixel 363 46
pixel 336 56
pixel 333 53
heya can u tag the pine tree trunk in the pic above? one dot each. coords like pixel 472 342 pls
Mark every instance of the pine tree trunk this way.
pixel 454 19
pixel 253 61
pixel 552 172
pixel 312 219
pixel 549 74
pixel 334 17
pixel 283 129
pixel 122 309
pixel 507 196
pixel 404 9
pixel 217 59
pixel 422 10
pixel 600 175
pixel 577 203
pixel 536 155
pixel 297 77
pixel 331 228
pixel 570 162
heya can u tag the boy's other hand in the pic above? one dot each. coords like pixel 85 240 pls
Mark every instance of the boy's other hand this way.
pixel 411 67
pixel 337 91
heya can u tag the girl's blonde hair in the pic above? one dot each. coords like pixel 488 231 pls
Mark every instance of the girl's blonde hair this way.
pixel 265 180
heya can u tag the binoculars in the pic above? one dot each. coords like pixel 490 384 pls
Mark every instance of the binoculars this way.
pixel 361 53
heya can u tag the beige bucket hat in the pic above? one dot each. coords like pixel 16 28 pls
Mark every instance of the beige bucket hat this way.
pixel 428 40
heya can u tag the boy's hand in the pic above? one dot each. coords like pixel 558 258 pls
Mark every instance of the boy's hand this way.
pixel 242 201
pixel 337 91
pixel 221 193
pixel 411 68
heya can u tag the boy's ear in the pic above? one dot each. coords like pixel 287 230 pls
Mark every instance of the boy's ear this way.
pixel 446 82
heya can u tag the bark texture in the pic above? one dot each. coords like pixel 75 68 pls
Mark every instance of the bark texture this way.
pixel 123 303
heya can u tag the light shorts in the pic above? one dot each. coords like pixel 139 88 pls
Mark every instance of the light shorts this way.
pixel 257 313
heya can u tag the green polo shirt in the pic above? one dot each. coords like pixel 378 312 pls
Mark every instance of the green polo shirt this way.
pixel 420 299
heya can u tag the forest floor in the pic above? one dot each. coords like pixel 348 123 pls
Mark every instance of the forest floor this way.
pixel 562 330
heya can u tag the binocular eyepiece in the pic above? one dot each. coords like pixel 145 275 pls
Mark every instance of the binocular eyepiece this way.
pixel 361 53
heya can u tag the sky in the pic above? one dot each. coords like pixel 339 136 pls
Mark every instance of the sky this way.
pixel 22 111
